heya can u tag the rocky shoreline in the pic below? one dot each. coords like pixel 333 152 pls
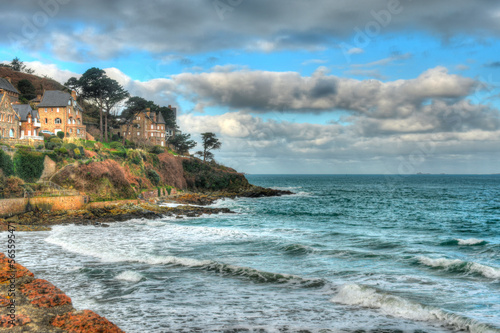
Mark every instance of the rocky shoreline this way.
pixel 36 305
pixel 38 220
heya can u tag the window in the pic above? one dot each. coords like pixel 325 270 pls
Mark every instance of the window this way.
pixel 78 122
pixel 45 109
pixel 138 133
pixel 29 120
pixel 71 130
pixel 74 121
pixel 29 133
pixel 151 134
pixel 78 131
pixel 11 133
pixel 46 120
pixel 57 109
pixel 152 126
pixel 69 102
pixel 69 121
pixel 57 121
pixel 162 143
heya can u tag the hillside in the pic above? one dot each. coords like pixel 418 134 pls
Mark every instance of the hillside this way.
pixel 40 83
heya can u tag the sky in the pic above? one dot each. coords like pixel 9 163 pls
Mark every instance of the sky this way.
pixel 292 86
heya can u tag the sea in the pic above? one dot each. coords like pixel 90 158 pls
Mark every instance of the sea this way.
pixel 345 253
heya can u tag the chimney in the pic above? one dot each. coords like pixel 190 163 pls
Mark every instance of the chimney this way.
pixel 73 94
pixel 39 97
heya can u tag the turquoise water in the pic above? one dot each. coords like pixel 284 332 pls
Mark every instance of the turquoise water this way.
pixel 345 253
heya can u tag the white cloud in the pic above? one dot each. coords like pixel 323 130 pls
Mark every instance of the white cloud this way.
pixel 51 70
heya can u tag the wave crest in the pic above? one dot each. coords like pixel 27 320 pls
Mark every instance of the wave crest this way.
pixel 460 266
pixel 353 294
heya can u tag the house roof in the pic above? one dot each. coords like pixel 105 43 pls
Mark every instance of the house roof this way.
pixel 53 98
pixel 6 85
pixel 23 110
pixel 160 119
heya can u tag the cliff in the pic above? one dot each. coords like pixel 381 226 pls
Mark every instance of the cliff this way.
pixel 37 305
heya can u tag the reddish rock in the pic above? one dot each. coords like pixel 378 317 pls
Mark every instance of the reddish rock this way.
pixel 44 294
pixel 4 302
pixel 6 271
pixel 20 320
pixel 85 322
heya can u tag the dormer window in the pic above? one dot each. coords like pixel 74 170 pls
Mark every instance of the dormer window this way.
pixel 69 102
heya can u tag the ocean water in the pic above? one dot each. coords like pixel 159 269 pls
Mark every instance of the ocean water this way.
pixel 344 254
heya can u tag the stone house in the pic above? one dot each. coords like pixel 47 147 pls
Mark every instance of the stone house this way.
pixel 9 120
pixel 7 88
pixel 59 112
pixel 29 120
pixel 148 127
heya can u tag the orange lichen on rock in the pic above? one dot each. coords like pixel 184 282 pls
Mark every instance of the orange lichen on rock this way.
pixel 6 270
pixel 4 302
pixel 20 320
pixel 85 322
pixel 44 294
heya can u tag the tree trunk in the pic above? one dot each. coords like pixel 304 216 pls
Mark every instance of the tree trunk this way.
pixel 106 126
pixel 100 120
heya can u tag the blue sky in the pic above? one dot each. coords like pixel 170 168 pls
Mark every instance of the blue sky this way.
pixel 292 86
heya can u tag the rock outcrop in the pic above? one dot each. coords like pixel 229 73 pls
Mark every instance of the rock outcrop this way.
pixel 40 306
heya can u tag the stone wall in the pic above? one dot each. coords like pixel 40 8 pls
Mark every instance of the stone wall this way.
pixel 10 207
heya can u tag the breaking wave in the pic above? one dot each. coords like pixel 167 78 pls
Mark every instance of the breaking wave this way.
pixel 354 294
pixel 460 266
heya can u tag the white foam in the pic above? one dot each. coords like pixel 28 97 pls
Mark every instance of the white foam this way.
pixel 467 267
pixel 353 294
pixel 470 241
pixel 129 276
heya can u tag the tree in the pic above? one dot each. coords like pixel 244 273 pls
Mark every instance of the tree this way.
pixel 169 116
pixel 16 64
pixel 73 84
pixel 115 94
pixel 102 91
pixel 19 66
pixel 210 142
pixel 27 89
pixel 182 143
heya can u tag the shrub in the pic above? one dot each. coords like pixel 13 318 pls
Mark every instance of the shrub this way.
pixel 56 140
pixel 153 176
pixel 115 137
pixel 116 145
pixel 51 145
pixel 120 153
pixel 156 150
pixel 60 135
pixel 29 165
pixel 130 144
pixel 13 187
pixel 22 147
pixel 135 157
pixel 62 151
pixel 6 164
pixel 39 147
